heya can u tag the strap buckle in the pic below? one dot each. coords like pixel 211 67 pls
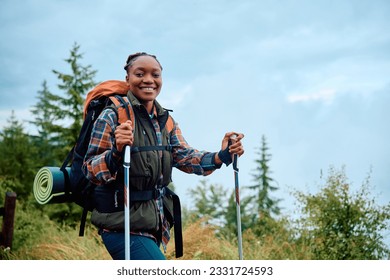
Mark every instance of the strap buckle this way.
pixel 159 191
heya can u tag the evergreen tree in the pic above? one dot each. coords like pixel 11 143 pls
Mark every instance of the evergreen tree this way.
pixel 264 184
pixel 17 161
pixel 44 121
pixel 229 228
pixel 59 116
pixel 209 202
pixel 214 203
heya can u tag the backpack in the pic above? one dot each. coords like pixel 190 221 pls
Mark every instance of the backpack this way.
pixel 77 187
pixel 110 94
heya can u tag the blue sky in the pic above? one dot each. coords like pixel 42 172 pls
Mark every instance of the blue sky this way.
pixel 312 76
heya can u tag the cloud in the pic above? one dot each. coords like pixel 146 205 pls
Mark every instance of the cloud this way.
pixel 323 95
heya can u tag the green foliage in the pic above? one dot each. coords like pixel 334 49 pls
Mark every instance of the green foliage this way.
pixel 54 111
pixel 229 214
pixel 37 237
pixel 46 140
pixel 336 225
pixel 17 161
pixel 216 207
pixel 209 201
pixel 264 183
pixel 52 114
pixel 75 86
pixel 341 225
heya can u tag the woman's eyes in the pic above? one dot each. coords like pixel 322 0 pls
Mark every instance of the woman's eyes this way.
pixel 141 74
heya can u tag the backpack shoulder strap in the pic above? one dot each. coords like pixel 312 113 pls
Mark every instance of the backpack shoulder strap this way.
pixel 170 124
pixel 123 107
pixel 125 111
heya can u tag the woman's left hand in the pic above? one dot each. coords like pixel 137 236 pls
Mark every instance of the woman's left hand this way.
pixel 236 146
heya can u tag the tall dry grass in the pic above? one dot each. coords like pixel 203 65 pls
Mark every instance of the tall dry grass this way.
pixel 53 242
pixel 63 244
pixel 200 243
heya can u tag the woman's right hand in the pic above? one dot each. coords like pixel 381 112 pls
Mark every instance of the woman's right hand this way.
pixel 124 135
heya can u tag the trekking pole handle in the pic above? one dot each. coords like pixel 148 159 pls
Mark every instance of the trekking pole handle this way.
pixel 235 156
pixel 127 158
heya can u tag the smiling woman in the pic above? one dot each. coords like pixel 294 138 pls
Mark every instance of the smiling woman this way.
pixel 157 146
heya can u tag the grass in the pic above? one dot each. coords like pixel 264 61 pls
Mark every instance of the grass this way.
pixel 36 237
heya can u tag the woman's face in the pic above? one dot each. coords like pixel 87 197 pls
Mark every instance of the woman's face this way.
pixel 144 79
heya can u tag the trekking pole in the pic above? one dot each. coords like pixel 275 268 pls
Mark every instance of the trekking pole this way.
pixel 126 165
pixel 238 210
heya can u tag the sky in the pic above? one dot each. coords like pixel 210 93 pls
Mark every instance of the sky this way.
pixel 313 77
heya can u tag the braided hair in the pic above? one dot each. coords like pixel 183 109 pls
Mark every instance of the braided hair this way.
pixel 134 56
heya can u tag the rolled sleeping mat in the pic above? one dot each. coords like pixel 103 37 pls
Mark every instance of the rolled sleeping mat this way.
pixel 49 185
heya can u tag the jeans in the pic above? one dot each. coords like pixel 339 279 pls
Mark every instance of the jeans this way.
pixel 141 247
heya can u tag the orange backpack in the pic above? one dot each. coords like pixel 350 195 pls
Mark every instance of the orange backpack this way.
pixel 114 90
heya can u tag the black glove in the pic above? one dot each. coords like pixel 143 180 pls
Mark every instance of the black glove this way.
pixel 225 156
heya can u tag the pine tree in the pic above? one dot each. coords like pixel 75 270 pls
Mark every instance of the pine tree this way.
pixel 264 183
pixel 59 116
pixel 214 203
pixel 229 229
pixel 44 119
pixel 17 159
pixel 209 202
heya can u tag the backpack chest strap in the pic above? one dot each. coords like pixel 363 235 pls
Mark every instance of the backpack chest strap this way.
pixel 147 195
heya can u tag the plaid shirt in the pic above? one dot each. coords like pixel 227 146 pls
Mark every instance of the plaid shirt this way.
pixel 102 160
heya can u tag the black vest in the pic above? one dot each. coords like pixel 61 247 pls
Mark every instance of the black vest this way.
pixel 147 166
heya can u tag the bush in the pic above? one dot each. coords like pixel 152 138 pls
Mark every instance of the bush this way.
pixel 338 225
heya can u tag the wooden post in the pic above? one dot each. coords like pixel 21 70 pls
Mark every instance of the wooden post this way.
pixel 8 220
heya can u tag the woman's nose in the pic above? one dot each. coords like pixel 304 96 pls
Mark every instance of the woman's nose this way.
pixel 148 79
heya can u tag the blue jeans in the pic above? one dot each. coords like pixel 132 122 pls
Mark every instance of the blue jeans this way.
pixel 141 247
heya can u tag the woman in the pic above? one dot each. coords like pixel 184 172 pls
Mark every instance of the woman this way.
pixel 152 211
